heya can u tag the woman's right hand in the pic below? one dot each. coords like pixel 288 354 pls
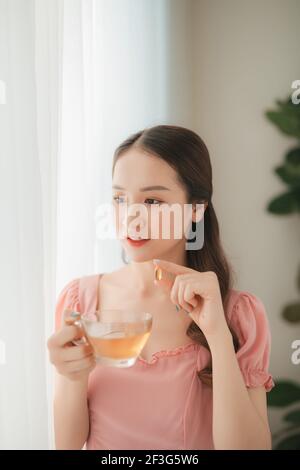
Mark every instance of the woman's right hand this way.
pixel 73 362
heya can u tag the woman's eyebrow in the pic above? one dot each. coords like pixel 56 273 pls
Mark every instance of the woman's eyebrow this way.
pixel 146 188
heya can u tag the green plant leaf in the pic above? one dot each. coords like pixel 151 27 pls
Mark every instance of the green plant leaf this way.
pixel 287 124
pixel 286 117
pixel 291 313
pixel 286 203
pixel 286 431
pixel 293 157
pixel 289 174
pixel 289 443
pixel 293 417
pixel 296 192
pixel 284 393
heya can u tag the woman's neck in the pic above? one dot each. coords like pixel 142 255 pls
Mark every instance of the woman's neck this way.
pixel 143 272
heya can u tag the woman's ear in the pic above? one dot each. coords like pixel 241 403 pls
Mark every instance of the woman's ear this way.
pixel 198 211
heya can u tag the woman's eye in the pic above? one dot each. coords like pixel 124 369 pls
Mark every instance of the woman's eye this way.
pixel 122 199
pixel 119 199
pixel 156 201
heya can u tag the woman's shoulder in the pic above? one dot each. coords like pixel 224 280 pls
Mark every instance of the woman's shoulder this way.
pixel 68 298
pixel 247 316
pixel 242 302
pixel 69 290
pixel 248 319
pixel 86 280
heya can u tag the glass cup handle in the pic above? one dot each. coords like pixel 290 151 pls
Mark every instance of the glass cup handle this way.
pixel 71 317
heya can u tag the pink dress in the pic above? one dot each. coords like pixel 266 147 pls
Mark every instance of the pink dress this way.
pixel 162 404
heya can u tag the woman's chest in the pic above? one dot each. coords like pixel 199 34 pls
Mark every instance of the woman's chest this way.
pixel 146 406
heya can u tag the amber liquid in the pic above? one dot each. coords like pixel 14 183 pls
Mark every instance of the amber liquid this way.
pixel 118 344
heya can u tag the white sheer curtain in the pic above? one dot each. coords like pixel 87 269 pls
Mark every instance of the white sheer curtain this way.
pixel 127 65
pixel 113 83
pixel 28 148
pixel 80 76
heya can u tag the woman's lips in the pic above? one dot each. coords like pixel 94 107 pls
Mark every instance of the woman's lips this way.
pixel 137 243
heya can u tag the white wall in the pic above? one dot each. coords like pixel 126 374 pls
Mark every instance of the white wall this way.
pixel 246 55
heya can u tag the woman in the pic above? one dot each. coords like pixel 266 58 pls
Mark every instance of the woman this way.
pixel 202 377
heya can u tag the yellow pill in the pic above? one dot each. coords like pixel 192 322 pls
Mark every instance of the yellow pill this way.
pixel 158 273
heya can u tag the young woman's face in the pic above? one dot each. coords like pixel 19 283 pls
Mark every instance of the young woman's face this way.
pixel 143 187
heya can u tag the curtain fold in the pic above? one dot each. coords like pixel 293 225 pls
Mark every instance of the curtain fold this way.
pixel 48 89
pixel 23 389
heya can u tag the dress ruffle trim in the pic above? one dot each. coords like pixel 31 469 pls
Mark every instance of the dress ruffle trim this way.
pixel 257 378
pixel 170 352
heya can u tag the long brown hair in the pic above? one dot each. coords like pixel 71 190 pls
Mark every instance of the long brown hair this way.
pixel 186 152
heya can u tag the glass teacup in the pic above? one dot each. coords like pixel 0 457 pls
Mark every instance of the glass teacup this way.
pixel 117 337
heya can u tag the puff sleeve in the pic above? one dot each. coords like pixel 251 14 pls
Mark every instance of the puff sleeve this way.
pixel 67 298
pixel 250 323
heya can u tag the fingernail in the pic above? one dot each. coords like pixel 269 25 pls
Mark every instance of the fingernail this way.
pixel 156 260
pixel 74 314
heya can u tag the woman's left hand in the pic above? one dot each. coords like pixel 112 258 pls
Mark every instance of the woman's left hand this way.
pixel 199 294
